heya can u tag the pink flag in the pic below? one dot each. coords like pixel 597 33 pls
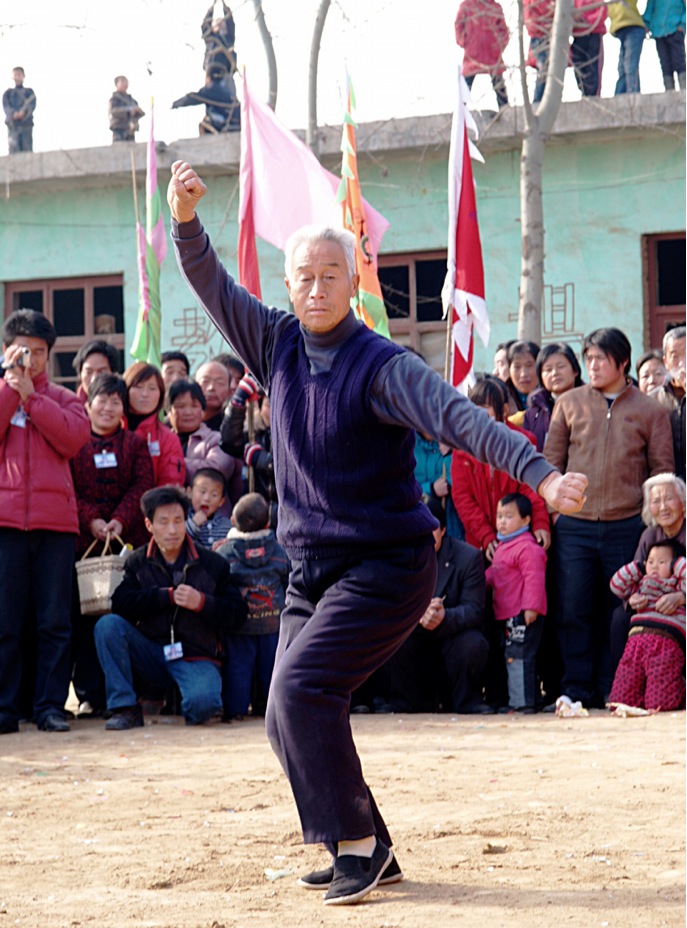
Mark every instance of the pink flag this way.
pixel 286 183
pixel 249 270
pixel 463 290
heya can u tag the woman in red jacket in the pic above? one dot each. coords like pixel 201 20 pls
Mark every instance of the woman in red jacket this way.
pixel 477 488
pixel 146 393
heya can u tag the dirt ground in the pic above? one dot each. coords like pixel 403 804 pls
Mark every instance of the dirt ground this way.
pixel 515 821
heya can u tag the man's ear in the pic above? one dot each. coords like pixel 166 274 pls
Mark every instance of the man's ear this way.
pixel 148 524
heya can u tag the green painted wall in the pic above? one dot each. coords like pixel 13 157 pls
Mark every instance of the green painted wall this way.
pixel 599 199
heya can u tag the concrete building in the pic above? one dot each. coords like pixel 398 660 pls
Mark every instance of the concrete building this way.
pixel 614 201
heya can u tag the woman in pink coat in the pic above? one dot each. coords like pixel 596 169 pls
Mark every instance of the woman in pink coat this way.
pixel 482 33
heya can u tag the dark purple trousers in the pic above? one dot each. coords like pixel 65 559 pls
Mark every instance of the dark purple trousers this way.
pixel 344 618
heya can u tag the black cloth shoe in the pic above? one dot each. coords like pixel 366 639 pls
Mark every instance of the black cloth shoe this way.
pixel 125 718
pixel 354 877
pixel 8 726
pixel 477 708
pixel 320 879
pixel 53 722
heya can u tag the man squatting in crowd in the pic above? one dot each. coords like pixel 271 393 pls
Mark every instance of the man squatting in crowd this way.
pixel 345 406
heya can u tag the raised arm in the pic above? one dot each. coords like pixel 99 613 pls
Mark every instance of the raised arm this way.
pixel 247 324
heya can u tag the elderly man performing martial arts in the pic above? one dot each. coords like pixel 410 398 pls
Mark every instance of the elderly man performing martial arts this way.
pixel 345 405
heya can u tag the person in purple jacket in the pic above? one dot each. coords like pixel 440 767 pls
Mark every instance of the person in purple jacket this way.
pixel 345 404
pixel 558 371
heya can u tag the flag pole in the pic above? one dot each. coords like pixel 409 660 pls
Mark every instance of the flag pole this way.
pixel 447 359
pixel 138 223
pixel 133 184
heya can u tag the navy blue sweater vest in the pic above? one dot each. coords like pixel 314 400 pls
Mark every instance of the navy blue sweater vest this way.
pixel 344 479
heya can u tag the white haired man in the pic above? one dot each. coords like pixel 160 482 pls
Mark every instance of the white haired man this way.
pixel 345 404
pixel 672 393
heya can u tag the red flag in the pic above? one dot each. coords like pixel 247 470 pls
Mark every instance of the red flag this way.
pixel 249 270
pixel 463 290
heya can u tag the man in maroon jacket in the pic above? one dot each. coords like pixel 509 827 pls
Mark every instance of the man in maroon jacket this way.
pixel 41 427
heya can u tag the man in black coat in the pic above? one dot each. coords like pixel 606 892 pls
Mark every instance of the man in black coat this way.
pixel 166 618
pixel 443 660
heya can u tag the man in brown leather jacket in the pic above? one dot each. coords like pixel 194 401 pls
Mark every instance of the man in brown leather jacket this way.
pixel 619 437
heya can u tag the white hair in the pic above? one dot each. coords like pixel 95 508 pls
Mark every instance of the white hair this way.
pixel 308 234
pixel 660 480
pixel 672 334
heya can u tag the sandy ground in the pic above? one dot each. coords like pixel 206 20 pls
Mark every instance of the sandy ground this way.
pixel 515 821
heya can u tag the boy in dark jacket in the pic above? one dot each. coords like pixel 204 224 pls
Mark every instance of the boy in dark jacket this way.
pixel 166 617
pixel 260 568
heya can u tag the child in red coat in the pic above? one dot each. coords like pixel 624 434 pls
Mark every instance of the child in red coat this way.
pixel 482 32
pixel 650 674
pixel 517 577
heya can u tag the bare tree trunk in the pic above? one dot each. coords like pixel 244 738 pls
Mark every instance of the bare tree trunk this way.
pixel 538 125
pixel 269 50
pixel 311 134
pixel 532 237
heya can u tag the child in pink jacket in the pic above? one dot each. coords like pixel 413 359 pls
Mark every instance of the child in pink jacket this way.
pixel 482 32
pixel 517 577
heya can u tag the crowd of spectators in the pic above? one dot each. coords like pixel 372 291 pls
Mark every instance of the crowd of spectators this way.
pixel 217 95
pixel 480 29
pixel 527 606
pixel 482 32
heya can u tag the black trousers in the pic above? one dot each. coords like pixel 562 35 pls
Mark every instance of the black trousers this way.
pixel 588 58
pixel 586 555
pixel 671 54
pixel 429 669
pixel 344 618
pixel 35 567
pixel 497 83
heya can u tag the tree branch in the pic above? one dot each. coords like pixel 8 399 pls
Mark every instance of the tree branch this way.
pixel 269 50
pixel 311 134
pixel 558 62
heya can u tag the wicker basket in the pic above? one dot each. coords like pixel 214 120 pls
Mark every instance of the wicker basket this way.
pixel 99 577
